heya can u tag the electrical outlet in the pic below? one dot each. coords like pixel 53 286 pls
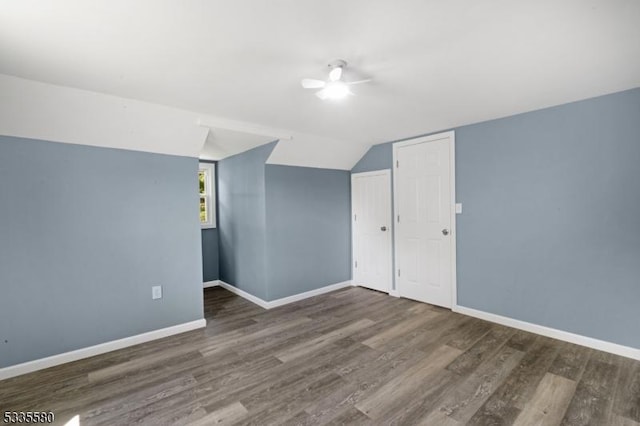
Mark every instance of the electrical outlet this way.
pixel 156 292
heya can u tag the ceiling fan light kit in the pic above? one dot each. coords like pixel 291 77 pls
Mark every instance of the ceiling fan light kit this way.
pixel 335 88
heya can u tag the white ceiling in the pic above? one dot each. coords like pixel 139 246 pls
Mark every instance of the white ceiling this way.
pixel 434 64
pixel 222 143
pixel 36 110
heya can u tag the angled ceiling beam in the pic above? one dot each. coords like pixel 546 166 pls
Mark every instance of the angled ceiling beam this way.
pixel 244 127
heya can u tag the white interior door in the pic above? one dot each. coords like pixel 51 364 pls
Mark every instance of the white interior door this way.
pixel 371 218
pixel 425 222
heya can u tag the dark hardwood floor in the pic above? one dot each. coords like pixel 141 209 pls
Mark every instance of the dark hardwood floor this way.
pixel 349 357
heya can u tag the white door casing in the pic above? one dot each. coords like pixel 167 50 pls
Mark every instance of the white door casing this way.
pixel 371 229
pixel 424 206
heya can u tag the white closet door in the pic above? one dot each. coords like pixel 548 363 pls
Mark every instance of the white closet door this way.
pixel 424 209
pixel 371 218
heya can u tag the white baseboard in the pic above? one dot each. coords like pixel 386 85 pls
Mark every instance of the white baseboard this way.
pixel 394 293
pixel 566 336
pixel 214 283
pixel 250 297
pixel 285 300
pixel 51 361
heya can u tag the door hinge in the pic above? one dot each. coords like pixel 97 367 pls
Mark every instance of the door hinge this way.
pixel 398 218
pixel 398 272
pixel 397 163
pixel 355 217
pixel 356 263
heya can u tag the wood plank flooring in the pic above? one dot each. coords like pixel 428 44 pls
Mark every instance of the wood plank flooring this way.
pixel 353 356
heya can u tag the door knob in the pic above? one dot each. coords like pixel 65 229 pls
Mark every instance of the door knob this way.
pixel 445 231
pixel 383 228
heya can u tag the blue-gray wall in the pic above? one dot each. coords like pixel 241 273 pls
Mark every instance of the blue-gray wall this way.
pixel 84 234
pixel 241 220
pixel 210 262
pixel 308 229
pixel 283 230
pixel 550 230
pixel 378 157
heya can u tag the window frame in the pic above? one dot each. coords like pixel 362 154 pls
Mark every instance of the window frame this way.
pixel 209 194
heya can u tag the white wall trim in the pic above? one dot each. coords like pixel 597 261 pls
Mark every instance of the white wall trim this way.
pixel 250 297
pixel 384 172
pixel 285 300
pixel 214 283
pixel 566 336
pixel 210 194
pixel 51 361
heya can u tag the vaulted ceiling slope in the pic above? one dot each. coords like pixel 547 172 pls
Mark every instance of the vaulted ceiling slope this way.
pixel 43 111
pixel 434 64
pixel 39 110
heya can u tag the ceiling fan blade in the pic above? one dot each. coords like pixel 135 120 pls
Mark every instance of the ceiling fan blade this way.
pixel 310 83
pixel 358 82
pixel 321 94
pixel 335 74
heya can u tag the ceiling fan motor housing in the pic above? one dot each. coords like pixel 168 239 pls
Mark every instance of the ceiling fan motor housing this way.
pixel 337 63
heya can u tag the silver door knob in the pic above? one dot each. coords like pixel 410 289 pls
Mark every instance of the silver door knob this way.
pixel 383 228
pixel 445 231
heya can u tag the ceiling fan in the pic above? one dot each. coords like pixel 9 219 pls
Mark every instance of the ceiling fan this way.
pixel 335 87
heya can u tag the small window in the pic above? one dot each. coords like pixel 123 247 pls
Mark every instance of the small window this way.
pixel 206 176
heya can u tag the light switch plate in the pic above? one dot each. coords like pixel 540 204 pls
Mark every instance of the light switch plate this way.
pixel 458 208
pixel 156 292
